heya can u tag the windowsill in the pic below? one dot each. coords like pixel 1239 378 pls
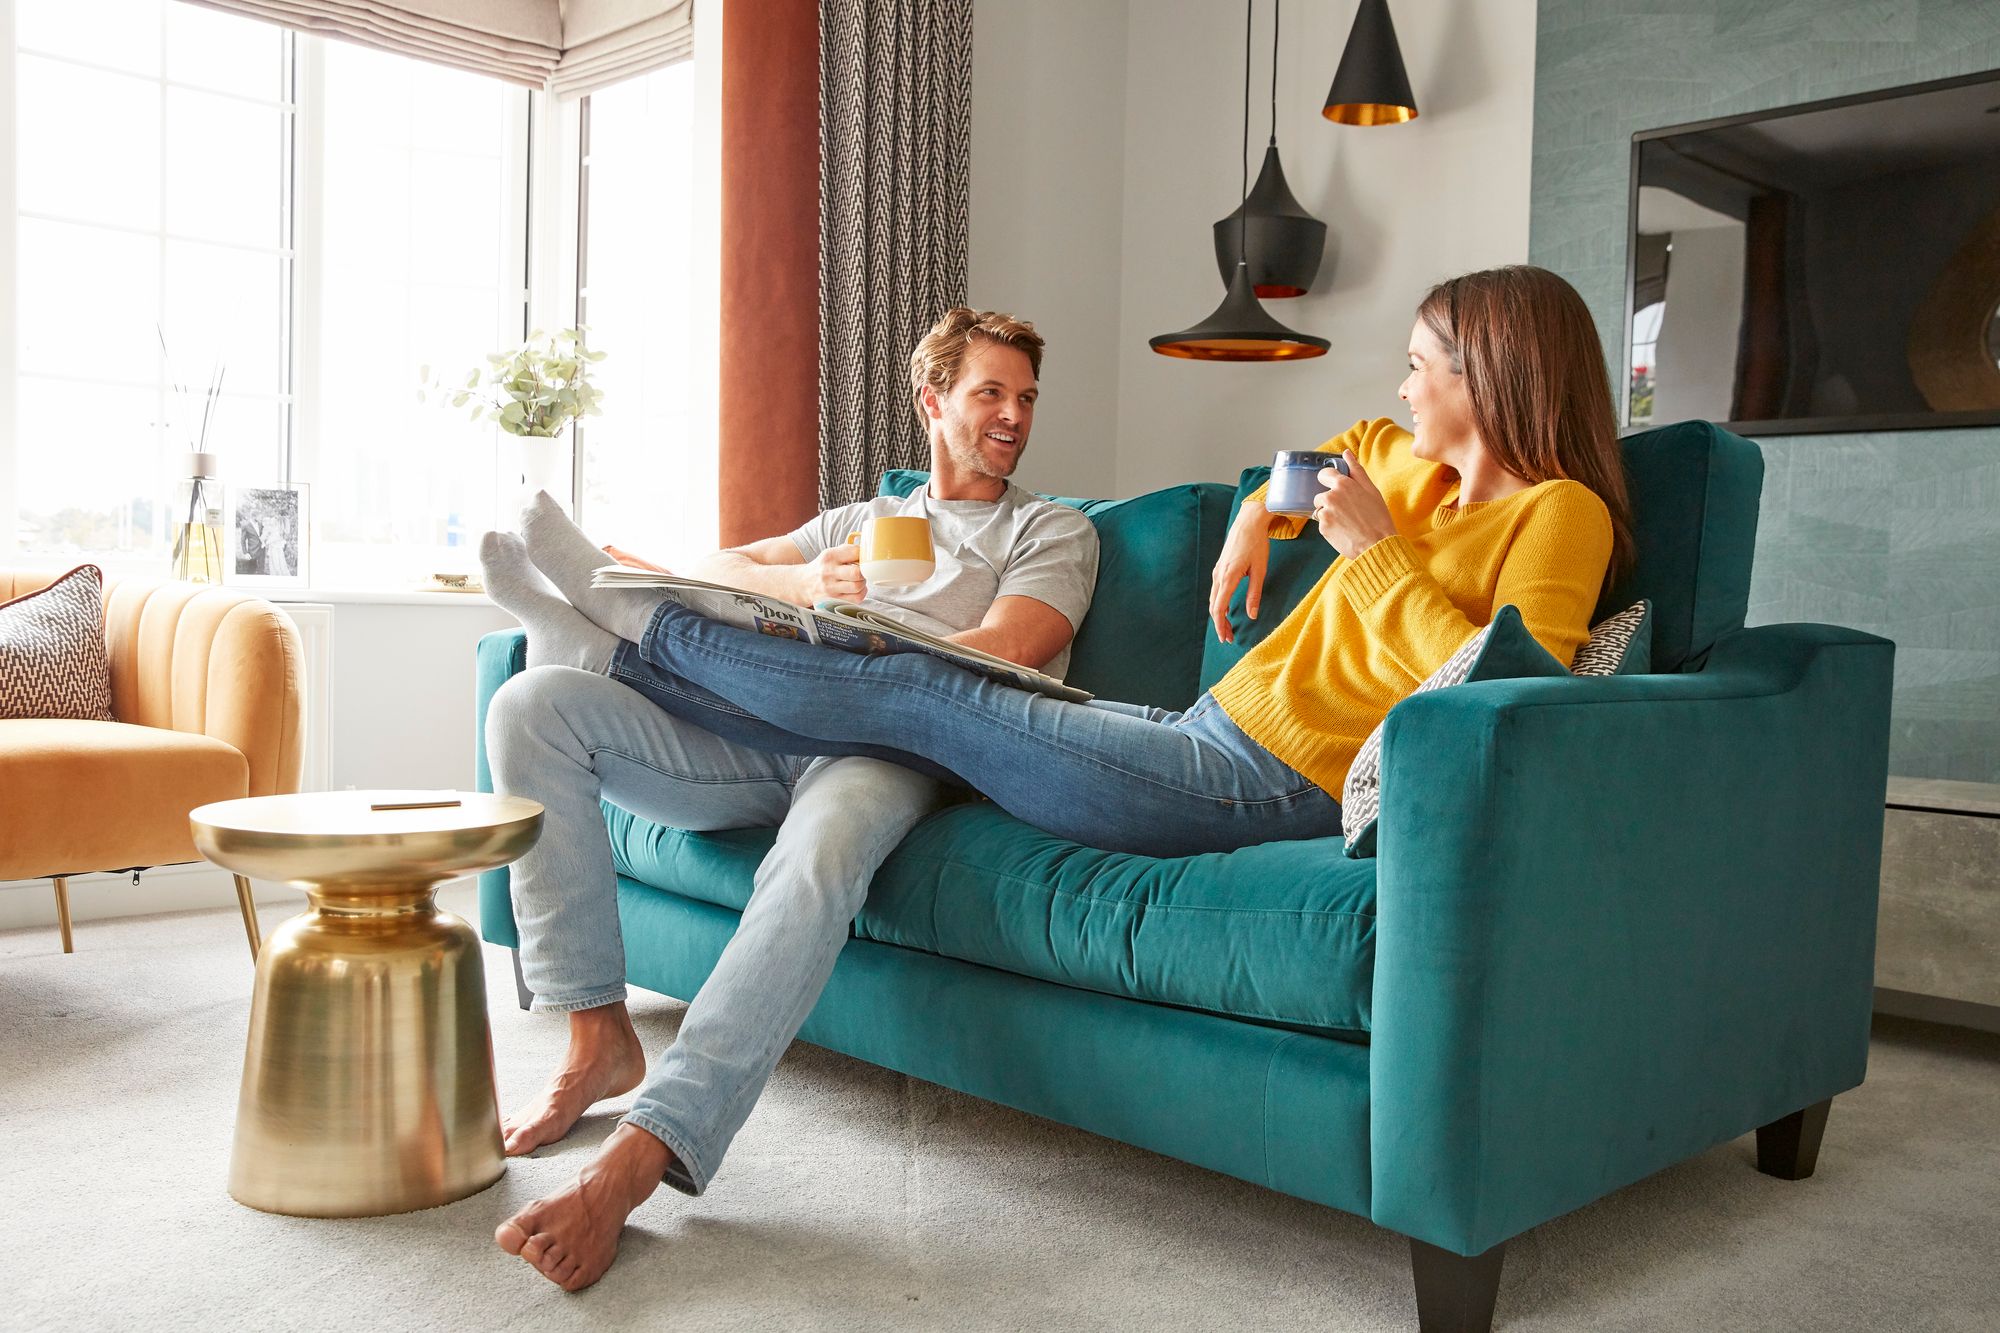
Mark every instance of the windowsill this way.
pixel 372 596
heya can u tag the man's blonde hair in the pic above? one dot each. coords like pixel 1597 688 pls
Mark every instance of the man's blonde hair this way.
pixel 941 355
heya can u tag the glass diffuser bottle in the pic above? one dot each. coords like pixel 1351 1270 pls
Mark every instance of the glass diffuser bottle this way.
pixel 197 515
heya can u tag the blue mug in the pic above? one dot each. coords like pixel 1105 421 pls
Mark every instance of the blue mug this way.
pixel 1295 480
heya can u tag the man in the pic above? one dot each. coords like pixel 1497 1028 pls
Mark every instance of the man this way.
pixel 1014 577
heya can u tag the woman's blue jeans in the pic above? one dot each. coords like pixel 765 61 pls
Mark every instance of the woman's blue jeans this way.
pixel 1110 775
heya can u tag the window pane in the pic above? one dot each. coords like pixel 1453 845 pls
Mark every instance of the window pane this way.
pixel 89 299
pixel 223 308
pixel 124 34
pixel 649 480
pixel 224 53
pixel 89 144
pixel 414 205
pixel 103 418
pixel 224 159
pixel 91 470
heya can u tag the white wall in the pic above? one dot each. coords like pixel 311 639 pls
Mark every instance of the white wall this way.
pixel 1405 206
pixel 1048 105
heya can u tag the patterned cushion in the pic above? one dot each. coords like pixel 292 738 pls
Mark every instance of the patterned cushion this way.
pixel 1503 650
pixel 52 661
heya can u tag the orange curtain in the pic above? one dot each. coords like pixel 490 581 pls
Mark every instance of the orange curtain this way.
pixel 769 428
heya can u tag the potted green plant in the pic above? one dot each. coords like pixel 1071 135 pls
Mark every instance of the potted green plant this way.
pixel 532 393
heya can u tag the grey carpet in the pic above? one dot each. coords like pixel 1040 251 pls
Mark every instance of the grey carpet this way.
pixel 857 1198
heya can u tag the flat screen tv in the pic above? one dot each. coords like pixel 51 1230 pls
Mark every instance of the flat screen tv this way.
pixel 1827 267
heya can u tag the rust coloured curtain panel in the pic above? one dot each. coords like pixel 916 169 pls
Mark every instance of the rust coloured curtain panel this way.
pixel 895 148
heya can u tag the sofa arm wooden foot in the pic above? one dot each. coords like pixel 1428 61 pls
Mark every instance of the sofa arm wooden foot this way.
pixel 1454 1293
pixel 1789 1148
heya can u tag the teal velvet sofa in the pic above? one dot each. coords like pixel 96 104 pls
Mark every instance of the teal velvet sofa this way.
pixel 1611 922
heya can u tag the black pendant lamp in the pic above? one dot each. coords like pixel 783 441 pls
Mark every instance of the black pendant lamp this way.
pixel 1371 87
pixel 1240 329
pixel 1284 242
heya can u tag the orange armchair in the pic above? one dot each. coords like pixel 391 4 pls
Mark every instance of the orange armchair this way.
pixel 208 696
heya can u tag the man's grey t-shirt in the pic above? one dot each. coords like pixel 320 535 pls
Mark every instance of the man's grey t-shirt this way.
pixel 1017 546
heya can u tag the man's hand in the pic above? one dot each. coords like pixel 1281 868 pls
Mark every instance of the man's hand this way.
pixel 1351 513
pixel 834 575
pixel 1246 553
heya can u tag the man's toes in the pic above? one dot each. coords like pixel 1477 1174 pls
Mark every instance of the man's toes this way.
pixel 564 1273
pixel 510 1236
pixel 553 1255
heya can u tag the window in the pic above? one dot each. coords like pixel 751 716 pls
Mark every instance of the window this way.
pixel 309 220
pixel 649 467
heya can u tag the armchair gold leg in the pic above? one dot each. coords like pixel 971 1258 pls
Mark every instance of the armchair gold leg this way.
pixel 62 912
pixel 249 907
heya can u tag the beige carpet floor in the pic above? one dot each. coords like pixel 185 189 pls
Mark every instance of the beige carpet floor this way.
pixel 861 1199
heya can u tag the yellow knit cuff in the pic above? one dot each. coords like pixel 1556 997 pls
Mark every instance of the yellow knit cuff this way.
pixel 1282 527
pixel 1376 570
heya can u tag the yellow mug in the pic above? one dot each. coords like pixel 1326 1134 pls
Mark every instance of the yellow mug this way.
pixel 895 550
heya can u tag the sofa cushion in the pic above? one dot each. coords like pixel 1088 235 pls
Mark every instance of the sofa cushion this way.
pixel 85 796
pixel 52 661
pixel 1142 641
pixel 1280 933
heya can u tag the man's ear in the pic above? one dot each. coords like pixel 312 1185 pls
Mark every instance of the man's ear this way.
pixel 927 399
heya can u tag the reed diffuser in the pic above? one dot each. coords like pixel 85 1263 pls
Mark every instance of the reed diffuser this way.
pixel 197 507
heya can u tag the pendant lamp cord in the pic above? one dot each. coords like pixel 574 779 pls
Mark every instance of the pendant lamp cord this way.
pixel 1277 17
pixel 1243 154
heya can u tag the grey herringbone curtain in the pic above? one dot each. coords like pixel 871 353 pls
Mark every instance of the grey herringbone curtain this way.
pixel 895 130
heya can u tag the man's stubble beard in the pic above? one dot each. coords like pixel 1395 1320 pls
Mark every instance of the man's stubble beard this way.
pixel 962 442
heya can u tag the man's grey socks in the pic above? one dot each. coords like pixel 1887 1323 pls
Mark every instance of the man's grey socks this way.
pixel 560 550
pixel 558 634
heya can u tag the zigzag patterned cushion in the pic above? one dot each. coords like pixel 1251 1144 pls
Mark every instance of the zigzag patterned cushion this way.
pixel 52 661
pixel 1619 645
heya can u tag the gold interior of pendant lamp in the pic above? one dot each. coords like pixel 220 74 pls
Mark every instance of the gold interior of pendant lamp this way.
pixel 1239 349
pixel 1368 113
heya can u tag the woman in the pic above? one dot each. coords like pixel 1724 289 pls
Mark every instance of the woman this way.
pixel 1510 491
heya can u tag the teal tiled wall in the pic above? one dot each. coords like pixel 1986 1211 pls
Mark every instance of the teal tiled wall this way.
pixel 1898 532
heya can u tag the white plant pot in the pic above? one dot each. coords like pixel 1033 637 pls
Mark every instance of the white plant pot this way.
pixel 543 465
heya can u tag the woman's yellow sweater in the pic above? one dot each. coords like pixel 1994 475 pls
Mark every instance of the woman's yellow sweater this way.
pixel 1373 628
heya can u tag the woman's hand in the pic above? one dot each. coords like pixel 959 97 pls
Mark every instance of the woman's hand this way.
pixel 1351 513
pixel 1246 552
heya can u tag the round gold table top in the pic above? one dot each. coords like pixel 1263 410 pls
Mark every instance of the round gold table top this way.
pixel 315 838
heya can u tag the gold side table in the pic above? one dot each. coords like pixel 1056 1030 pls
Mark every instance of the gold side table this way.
pixel 368 1076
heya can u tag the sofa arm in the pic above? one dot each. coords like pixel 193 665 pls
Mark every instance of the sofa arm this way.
pixel 213 661
pixel 500 656
pixel 1620 920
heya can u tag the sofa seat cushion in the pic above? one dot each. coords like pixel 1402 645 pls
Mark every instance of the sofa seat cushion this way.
pixel 1281 933
pixel 85 796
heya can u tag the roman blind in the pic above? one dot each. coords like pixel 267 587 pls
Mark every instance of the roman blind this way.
pixel 566 46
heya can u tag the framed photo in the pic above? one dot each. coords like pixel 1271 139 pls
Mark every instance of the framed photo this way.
pixel 266 534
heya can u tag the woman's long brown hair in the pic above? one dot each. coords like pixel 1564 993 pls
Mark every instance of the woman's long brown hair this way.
pixel 1534 369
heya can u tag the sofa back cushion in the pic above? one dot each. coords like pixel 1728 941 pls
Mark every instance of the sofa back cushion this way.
pixel 1694 489
pixel 1142 640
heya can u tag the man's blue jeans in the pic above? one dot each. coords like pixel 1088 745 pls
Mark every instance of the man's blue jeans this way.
pixel 1116 776
pixel 566 738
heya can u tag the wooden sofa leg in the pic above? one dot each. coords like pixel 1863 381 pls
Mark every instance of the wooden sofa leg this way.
pixel 1789 1148
pixel 522 994
pixel 62 912
pixel 248 906
pixel 1455 1294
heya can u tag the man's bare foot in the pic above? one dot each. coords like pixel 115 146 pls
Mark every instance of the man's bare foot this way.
pixel 604 1059
pixel 572 1237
